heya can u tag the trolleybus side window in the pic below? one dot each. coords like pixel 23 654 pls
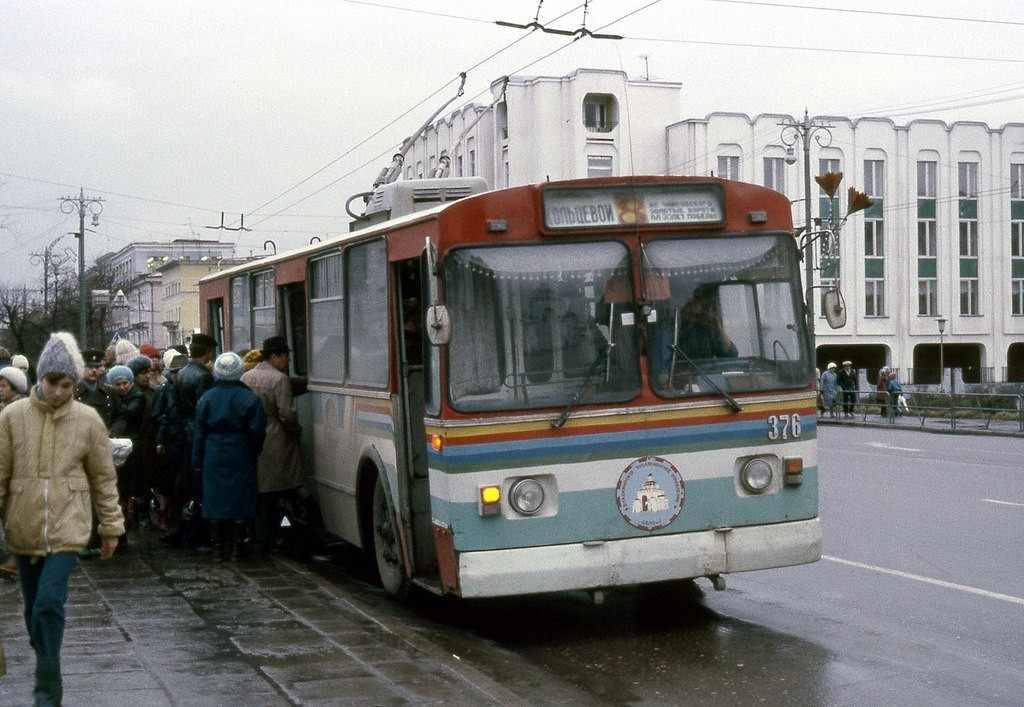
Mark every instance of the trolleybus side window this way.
pixel 253 315
pixel 533 325
pixel 240 309
pixel 326 319
pixel 367 313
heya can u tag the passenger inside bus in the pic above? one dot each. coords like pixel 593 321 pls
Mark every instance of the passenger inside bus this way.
pixel 697 334
pixel 412 330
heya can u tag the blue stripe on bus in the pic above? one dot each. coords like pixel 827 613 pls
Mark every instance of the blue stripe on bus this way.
pixel 663 441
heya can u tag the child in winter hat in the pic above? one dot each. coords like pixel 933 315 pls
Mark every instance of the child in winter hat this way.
pixel 228 367
pixel 16 377
pixel 61 356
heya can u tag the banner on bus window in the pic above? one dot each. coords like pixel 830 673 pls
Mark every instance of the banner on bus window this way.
pixel 618 207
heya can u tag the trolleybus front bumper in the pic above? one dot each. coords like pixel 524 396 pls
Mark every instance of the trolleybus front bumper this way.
pixel 655 558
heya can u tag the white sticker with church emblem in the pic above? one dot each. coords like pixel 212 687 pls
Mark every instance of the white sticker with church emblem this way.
pixel 650 493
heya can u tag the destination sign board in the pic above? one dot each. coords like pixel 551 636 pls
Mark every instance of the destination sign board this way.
pixel 625 206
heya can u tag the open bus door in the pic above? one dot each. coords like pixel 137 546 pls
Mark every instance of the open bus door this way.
pixel 415 357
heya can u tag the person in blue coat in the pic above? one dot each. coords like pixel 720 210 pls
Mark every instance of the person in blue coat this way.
pixel 829 386
pixel 229 432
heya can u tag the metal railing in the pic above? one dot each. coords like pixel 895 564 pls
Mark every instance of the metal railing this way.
pixel 958 410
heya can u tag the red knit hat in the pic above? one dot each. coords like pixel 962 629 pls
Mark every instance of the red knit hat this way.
pixel 149 350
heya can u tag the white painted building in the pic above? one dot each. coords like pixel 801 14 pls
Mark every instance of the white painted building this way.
pixel 944 239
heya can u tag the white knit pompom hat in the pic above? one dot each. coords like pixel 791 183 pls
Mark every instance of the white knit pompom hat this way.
pixel 61 355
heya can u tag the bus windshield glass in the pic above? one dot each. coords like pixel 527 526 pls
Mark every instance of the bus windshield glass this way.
pixel 541 325
pixel 726 315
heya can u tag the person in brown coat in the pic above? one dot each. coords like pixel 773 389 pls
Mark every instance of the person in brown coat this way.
pixel 280 464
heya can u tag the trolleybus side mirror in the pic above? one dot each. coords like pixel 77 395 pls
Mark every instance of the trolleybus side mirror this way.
pixel 835 308
pixel 439 324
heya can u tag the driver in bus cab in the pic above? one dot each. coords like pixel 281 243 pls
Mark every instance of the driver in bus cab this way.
pixel 701 334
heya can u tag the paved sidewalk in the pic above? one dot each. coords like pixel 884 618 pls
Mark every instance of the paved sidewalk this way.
pixel 162 626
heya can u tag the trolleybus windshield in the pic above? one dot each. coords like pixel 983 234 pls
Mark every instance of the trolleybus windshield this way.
pixel 532 324
pixel 725 315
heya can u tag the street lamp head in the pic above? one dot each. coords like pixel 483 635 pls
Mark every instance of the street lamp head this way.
pixel 941 321
pixel 790 155
pixel 95 219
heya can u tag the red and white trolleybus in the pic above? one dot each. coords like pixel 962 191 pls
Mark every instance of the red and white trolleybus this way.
pixel 569 385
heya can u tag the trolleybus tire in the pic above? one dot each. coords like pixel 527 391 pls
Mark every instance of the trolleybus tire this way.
pixel 386 549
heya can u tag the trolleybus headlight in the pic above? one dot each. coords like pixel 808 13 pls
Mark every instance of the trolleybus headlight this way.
pixel 526 496
pixel 756 475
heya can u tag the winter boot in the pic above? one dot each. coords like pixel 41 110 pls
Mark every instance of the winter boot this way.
pixel 49 690
pixel 240 530
pixel 217 540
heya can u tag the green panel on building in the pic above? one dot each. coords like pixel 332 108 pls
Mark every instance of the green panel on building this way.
pixel 968 267
pixel 926 267
pixel 926 208
pixel 1018 268
pixel 1017 210
pixel 875 210
pixel 874 268
pixel 968 209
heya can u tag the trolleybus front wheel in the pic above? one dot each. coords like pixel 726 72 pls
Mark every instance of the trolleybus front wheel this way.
pixel 386 549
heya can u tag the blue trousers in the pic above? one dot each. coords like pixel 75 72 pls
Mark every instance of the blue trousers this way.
pixel 44 591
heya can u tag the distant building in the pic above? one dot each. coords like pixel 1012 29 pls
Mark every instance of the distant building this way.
pixel 944 239
pixel 154 288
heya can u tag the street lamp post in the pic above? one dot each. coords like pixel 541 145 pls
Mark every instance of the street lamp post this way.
pixel 94 205
pixel 941 321
pixel 793 132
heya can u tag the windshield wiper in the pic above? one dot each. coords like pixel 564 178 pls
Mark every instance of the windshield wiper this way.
pixel 707 379
pixel 595 368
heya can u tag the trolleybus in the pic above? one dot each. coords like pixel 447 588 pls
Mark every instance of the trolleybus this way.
pixel 510 393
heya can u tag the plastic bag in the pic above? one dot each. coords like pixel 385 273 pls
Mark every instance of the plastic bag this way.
pixel 120 447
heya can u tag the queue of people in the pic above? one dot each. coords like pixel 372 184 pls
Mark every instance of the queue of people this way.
pixel 214 447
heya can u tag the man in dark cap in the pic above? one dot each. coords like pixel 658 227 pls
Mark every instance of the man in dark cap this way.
pixel 92 390
pixel 279 466
pixel 193 380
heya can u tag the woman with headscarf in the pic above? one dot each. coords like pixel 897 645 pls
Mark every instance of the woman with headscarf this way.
pixel 229 432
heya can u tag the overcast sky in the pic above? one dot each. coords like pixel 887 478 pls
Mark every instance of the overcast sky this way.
pixel 175 112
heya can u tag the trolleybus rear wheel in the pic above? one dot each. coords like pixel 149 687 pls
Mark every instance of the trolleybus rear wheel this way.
pixel 386 549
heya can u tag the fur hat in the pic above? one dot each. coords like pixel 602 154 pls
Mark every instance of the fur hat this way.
pixel 19 361
pixel 140 364
pixel 125 351
pixel 149 350
pixel 16 377
pixel 120 372
pixel 61 355
pixel 178 361
pixel 274 345
pixel 168 356
pixel 228 367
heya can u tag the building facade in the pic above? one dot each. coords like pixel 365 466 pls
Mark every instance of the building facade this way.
pixel 942 243
pixel 155 288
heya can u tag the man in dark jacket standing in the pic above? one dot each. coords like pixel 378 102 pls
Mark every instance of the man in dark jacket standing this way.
pixel 193 380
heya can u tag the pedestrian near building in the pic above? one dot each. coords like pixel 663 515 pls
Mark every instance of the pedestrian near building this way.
pixel 55 468
pixel 230 428
pixel 132 419
pixel 169 438
pixel 829 388
pixel 94 391
pixel 882 386
pixel 280 464
pixel 846 377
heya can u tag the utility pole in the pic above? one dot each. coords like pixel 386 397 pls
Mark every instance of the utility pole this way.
pixel 94 205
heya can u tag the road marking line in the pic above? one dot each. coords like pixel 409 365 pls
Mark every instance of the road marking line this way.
pixel 1003 503
pixel 883 445
pixel 928 580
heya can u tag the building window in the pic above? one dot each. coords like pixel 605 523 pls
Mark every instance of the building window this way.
pixel 874 298
pixel 599 166
pixel 967 179
pixel 968 239
pixel 471 152
pixel 874 239
pixel 927 184
pixel 828 165
pixel 775 173
pixel 926 241
pixel 874 178
pixel 728 167
pixel 969 296
pixel 1017 295
pixel 600 112
pixel 927 297
pixel 1017 181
